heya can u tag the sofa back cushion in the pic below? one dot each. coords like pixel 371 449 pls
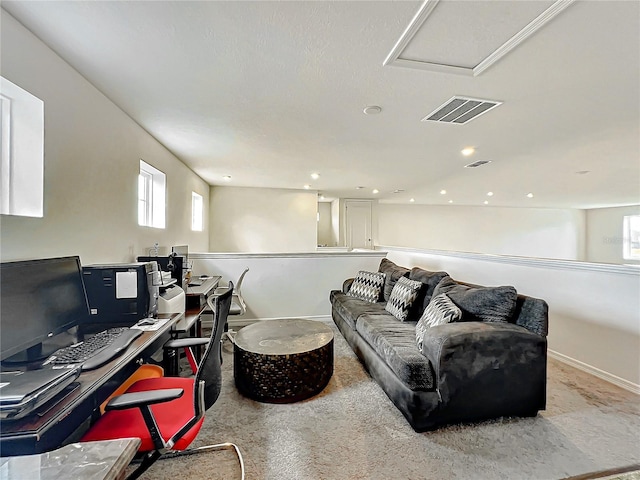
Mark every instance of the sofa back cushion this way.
pixel 430 281
pixel 484 304
pixel 393 272
pixel 367 286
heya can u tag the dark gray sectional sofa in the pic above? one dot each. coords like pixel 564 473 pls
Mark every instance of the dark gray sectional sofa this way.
pixel 466 371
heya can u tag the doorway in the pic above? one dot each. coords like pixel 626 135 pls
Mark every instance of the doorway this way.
pixel 358 224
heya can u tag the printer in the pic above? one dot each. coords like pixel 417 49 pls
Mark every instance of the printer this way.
pixel 172 298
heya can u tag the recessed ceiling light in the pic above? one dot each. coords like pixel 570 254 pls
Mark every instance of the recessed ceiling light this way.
pixel 315 175
pixel 529 195
pixel 450 201
pixel 372 110
pixel 307 187
pixel 321 197
pixel 467 151
pixel 412 200
pixel 375 190
pixel 486 202
pixel 489 194
pixel 227 178
pixel 443 192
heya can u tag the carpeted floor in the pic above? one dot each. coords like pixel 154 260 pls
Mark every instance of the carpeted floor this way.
pixel 352 431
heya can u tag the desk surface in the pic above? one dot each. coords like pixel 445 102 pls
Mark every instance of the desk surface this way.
pixel 106 460
pixel 62 418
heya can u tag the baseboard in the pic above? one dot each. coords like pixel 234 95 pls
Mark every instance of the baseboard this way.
pixel 620 382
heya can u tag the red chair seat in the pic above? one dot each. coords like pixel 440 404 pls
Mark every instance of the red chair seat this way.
pixel 170 416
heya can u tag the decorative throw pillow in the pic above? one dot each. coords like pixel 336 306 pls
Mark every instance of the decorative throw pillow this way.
pixel 480 304
pixel 440 310
pixel 403 295
pixel 367 286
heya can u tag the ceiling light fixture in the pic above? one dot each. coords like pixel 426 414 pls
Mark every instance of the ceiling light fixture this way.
pixel 486 202
pixel 467 151
pixel 372 110
pixel 315 175
pixel 450 201
pixel 443 192
pixel 375 190
pixel 489 194
pixel 227 178
pixel 412 200
pixel 307 187
pixel 529 195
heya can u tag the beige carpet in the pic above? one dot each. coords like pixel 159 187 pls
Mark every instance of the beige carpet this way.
pixel 352 431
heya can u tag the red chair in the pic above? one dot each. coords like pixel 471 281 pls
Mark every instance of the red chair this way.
pixel 166 413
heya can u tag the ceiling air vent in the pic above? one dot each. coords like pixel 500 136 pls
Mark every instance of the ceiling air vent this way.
pixel 479 163
pixel 461 110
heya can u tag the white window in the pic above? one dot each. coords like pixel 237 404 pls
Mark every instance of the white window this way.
pixel 631 237
pixel 22 147
pixel 151 196
pixel 197 212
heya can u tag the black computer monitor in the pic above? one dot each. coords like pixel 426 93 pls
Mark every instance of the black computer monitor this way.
pixel 38 300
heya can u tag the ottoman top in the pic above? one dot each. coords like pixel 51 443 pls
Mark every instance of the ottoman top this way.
pixel 283 337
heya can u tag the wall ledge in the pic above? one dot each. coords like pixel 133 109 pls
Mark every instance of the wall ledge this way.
pixel 234 255
pixel 528 261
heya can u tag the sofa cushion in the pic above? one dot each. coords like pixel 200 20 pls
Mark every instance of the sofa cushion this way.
pixel 430 280
pixel 404 294
pixel 395 343
pixel 485 304
pixel 393 272
pixel 350 308
pixel 367 286
pixel 441 310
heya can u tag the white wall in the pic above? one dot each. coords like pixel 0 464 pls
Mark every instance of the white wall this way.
pixel 262 220
pixel 286 285
pixel 604 234
pixel 92 153
pixel 594 309
pixel 543 233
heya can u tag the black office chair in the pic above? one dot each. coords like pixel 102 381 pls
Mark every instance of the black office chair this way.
pixel 166 413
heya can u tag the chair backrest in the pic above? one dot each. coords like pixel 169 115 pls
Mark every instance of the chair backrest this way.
pixel 208 380
pixel 239 283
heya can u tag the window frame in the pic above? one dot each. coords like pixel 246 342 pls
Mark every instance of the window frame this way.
pixel 152 185
pixel 197 212
pixel 631 236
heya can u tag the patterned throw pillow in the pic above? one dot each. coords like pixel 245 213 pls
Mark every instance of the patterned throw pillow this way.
pixel 367 286
pixel 403 295
pixel 440 310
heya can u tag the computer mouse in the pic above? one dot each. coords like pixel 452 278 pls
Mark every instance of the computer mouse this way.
pixel 147 321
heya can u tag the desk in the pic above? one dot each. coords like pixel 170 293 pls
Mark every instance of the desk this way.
pixel 189 323
pixel 106 460
pixel 56 424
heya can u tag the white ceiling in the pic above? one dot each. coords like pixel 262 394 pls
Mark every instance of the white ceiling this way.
pixel 269 92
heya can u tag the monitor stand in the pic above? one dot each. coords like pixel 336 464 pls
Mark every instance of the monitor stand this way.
pixel 40 352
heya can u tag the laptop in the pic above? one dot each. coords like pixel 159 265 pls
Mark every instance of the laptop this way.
pixel 22 392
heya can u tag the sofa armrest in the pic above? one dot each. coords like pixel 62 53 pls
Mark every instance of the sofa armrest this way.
pixel 493 355
pixel 346 285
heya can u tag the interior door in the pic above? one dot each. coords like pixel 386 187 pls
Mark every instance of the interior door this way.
pixel 358 224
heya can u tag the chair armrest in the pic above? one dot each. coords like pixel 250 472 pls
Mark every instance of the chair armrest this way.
pixel 346 285
pixel 140 399
pixel 465 352
pixel 186 342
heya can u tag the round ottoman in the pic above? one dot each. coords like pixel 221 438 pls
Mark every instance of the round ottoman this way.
pixel 283 361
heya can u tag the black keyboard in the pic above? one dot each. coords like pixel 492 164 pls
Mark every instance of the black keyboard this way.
pixel 96 350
